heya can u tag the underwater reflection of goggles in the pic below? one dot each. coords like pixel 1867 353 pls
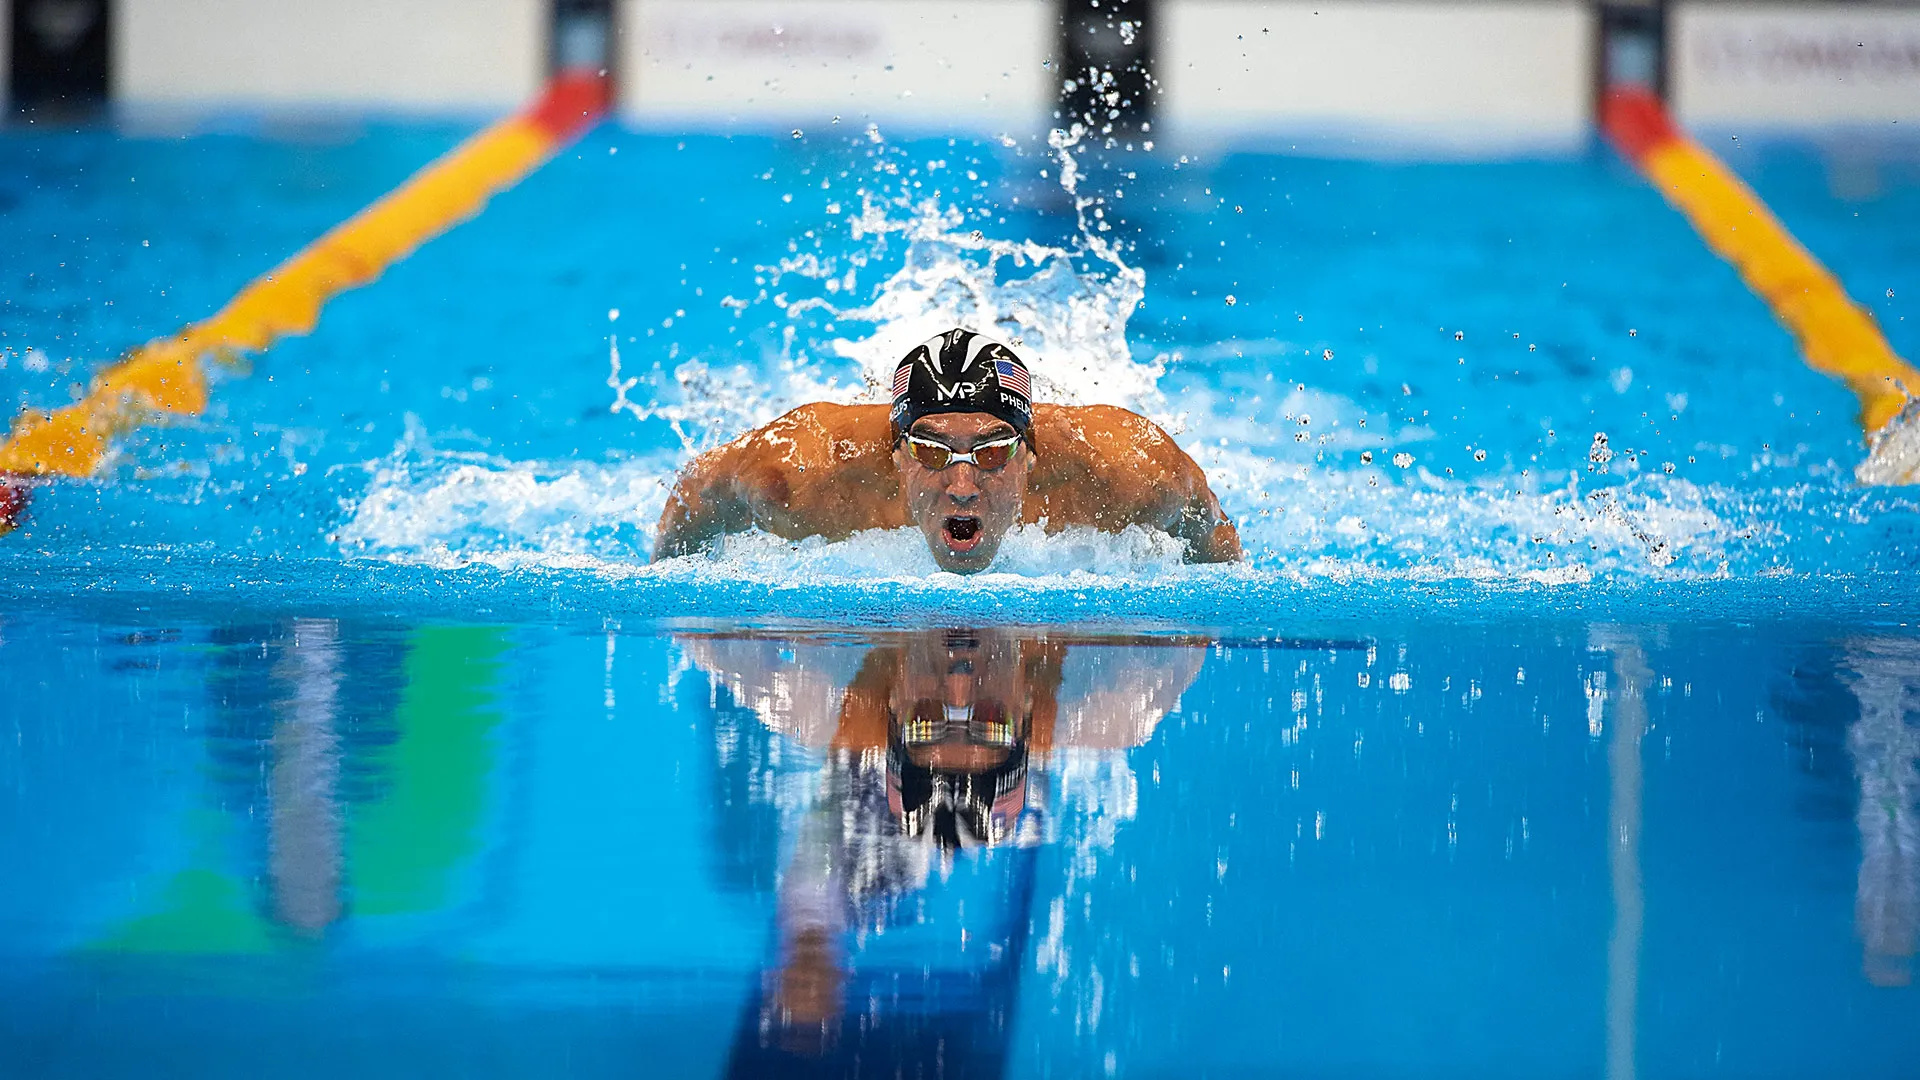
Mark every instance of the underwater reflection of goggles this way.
pixel 931 722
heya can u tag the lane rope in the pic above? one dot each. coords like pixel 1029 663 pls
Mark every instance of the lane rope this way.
pixel 168 376
pixel 1836 336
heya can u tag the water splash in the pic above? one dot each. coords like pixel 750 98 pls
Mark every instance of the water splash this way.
pixel 1065 307
pixel 1066 310
pixel 449 507
pixel 452 508
pixel 1893 452
pixel 1287 476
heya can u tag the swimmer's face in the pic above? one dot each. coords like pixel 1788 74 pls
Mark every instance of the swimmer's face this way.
pixel 963 510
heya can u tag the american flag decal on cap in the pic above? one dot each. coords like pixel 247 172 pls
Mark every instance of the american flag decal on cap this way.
pixel 1013 376
pixel 902 375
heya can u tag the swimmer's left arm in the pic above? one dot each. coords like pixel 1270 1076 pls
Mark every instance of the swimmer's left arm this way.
pixel 1210 537
pixel 1144 476
pixel 1191 511
pixel 706 503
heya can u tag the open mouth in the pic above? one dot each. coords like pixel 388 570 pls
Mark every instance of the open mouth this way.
pixel 962 533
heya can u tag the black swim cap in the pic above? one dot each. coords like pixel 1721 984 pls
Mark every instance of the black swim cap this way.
pixel 961 371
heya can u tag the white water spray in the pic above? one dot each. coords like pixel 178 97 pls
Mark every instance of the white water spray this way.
pixel 1067 308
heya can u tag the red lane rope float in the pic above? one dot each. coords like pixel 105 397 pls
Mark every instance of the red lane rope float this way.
pixel 167 376
pixel 1836 335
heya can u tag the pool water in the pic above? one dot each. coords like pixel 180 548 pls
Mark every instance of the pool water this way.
pixel 307 846
pixel 348 729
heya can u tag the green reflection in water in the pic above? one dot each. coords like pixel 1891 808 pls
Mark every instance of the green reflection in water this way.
pixel 402 849
pixel 202 910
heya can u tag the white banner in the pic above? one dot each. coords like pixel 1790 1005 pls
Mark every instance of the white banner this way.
pixel 939 62
pixel 432 54
pixel 1780 66
pixel 1473 74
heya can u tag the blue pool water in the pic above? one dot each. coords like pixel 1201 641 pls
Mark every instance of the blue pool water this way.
pixel 346 729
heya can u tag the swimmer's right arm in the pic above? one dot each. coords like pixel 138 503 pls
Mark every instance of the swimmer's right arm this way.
pixel 706 504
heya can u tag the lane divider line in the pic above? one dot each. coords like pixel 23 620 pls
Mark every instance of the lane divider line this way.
pixel 1837 336
pixel 168 376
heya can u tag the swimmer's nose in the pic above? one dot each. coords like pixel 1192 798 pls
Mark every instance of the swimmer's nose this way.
pixel 965 486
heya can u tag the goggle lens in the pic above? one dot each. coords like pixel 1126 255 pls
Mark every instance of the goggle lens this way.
pixel 993 456
pixel 932 455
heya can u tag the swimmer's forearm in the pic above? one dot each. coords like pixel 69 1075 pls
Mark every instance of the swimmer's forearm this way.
pixel 1210 537
pixel 701 509
pixel 1221 544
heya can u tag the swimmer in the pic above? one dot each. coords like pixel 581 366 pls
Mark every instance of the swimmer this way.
pixel 962 454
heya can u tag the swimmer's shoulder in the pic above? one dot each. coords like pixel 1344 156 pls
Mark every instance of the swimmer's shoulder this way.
pixel 819 433
pixel 1105 432
pixel 821 469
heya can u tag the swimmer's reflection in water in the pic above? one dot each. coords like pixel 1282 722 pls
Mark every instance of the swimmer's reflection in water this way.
pixel 938 754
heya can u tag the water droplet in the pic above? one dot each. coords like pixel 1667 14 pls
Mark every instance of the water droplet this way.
pixel 1889 294
pixel 1599 453
pixel 613 314
pixel 1326 354
pixel 1479 455
pixel 1668 467
pixel 1459 335
pixel 1532 347
pixel 1366 457
pixel 798 134
pixel 1231 300
pixel 1403 459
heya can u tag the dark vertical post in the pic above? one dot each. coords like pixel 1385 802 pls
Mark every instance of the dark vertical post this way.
pixel 1631 47
pixel 582 38
pixel 59 55
pixel 1106 67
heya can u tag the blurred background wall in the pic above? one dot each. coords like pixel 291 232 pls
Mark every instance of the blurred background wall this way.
pixel 407 54
pixel 1796 64
pixel 1477 71
pixel 1451 70
pixel 778 61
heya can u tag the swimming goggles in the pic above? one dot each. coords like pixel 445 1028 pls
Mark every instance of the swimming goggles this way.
pixel 987 456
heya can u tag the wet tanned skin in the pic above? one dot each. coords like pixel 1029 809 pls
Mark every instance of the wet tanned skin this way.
pixel 833 470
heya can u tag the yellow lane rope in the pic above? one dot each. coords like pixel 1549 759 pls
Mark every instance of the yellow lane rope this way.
pixel 1836 335
pixel 168 376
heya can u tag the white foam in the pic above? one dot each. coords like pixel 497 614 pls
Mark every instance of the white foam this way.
pixel 1893 454
pixel 444 507
pixel 449 509
pixel 1314 519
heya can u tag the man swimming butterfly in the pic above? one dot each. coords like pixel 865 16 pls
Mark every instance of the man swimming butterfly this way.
pixel 963 454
